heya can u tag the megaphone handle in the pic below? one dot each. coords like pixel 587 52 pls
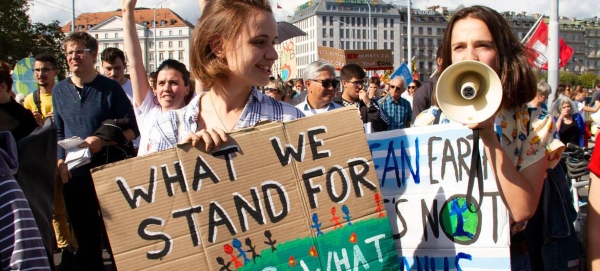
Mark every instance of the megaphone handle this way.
pixel 475 171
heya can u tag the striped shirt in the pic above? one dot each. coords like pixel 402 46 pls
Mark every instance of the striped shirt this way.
pixel 399 113
pixel 166 132
pixel 21 247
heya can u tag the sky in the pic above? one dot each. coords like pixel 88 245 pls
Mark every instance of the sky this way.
pixel 45 11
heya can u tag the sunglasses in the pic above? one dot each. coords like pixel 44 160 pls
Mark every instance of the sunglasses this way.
pixel 393 87
pixel 411 87
pixel 328 82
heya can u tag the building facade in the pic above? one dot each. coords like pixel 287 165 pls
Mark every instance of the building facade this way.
pixel 173 34
pixel 345 24
pixel 592 45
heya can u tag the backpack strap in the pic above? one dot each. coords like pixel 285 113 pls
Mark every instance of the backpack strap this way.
pixel 37 101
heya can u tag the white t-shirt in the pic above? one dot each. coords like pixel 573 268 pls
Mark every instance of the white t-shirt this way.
pixel 129 92
pixel 146 116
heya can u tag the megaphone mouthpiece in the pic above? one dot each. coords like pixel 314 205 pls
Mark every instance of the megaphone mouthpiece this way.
pixel 469 86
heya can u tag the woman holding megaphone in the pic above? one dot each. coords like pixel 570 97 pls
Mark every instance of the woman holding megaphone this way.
pixel 529 144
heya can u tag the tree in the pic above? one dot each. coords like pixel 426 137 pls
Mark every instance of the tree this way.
pixel 48 40
pixel 588 80
pixel 15 31
pixel 568 78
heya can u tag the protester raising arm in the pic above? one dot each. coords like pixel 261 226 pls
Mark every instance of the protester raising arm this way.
pixel 139 79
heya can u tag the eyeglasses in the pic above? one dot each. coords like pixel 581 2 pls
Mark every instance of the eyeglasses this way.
pixel 78 52
pixel 411 87
pixel 358 83
pixel 327 82
pixel 393 87
pixel 42 70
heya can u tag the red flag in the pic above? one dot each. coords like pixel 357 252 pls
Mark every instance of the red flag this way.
pixel 376 75
pixel 539 43
pixel 279 6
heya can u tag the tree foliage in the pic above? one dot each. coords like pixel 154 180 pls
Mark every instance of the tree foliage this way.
pixel 588 80
pixel 20 38
pixel 568 78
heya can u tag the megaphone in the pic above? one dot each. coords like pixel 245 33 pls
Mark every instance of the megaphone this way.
pixel 469 92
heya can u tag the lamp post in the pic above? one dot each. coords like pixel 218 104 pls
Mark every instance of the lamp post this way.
pixel 409 33
pixel 154 31
pixel 351 38
pixel 370 22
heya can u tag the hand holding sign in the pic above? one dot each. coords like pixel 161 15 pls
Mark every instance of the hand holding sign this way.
pixel 213 138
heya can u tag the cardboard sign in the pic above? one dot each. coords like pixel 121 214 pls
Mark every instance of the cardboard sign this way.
pixel 333 56
pixel 423 174
pixel 371 60
pixel 301 195
pixel 288 60
pixel 367 59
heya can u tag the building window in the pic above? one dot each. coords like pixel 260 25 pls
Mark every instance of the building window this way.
pixel 365 45
pixel 358 46
pixel 392 46
pixel 347 20
pixel 170 32
pixel 330 20
pixel 420 30
pixel 324 43
pixel 347 33
pixel 429 32
pixel 171 55
pixel 342 33
pixel 106 35
pixel 152 67
pixel 374 45
pixel 180 32
pixel 324 18
pixel 391 34
pixel 324 33
pixel 150 45
pixel 160 56
pixel 96 35
pixel 347 45
pixel 358 33
pixel 170 44
pixel 385 45
pixel 374 21
pixel 331 33
pixel 353 21
pixel 180 44
pixel 391 23
pixel 180 55
pixel 364 21
pixel 384 22
pixel 365 33
pixel 160 45
pixel 160 33
pixel 330 43
pixel 151 57
pixel 374 34
pixel 385 34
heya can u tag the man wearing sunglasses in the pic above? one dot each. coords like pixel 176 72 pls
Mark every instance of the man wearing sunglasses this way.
pixel 395 107
pixel 353 80
pixel 321 87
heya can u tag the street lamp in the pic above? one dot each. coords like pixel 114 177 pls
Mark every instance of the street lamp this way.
pixel 154 34
pixel 408 36
pixel 370 22
pixel 351 38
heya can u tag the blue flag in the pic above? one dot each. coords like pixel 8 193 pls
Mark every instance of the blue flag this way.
pixel 403 72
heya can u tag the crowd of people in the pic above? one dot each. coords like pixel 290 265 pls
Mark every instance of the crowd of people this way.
pixel 229 86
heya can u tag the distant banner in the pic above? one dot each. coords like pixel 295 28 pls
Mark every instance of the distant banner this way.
pixel 368 59
pixel 423 174
pixel 23 77
pixel 288 60
pixel 403 72
pixel 371 60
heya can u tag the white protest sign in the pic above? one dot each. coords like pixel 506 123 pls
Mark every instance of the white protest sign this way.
pixel 423 174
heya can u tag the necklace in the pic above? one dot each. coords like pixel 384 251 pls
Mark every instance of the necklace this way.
pixel 217 113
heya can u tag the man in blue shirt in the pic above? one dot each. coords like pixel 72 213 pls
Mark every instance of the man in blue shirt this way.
pixel 321 86
pixel 396 108
pixel 83 104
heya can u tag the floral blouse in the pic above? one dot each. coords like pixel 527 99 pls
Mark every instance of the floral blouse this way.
pixel 529 134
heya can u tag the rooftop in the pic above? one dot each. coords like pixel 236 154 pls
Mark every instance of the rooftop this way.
pixel 170 19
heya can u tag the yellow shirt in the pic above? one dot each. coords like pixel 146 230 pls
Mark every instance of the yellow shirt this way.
pixel 45 103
